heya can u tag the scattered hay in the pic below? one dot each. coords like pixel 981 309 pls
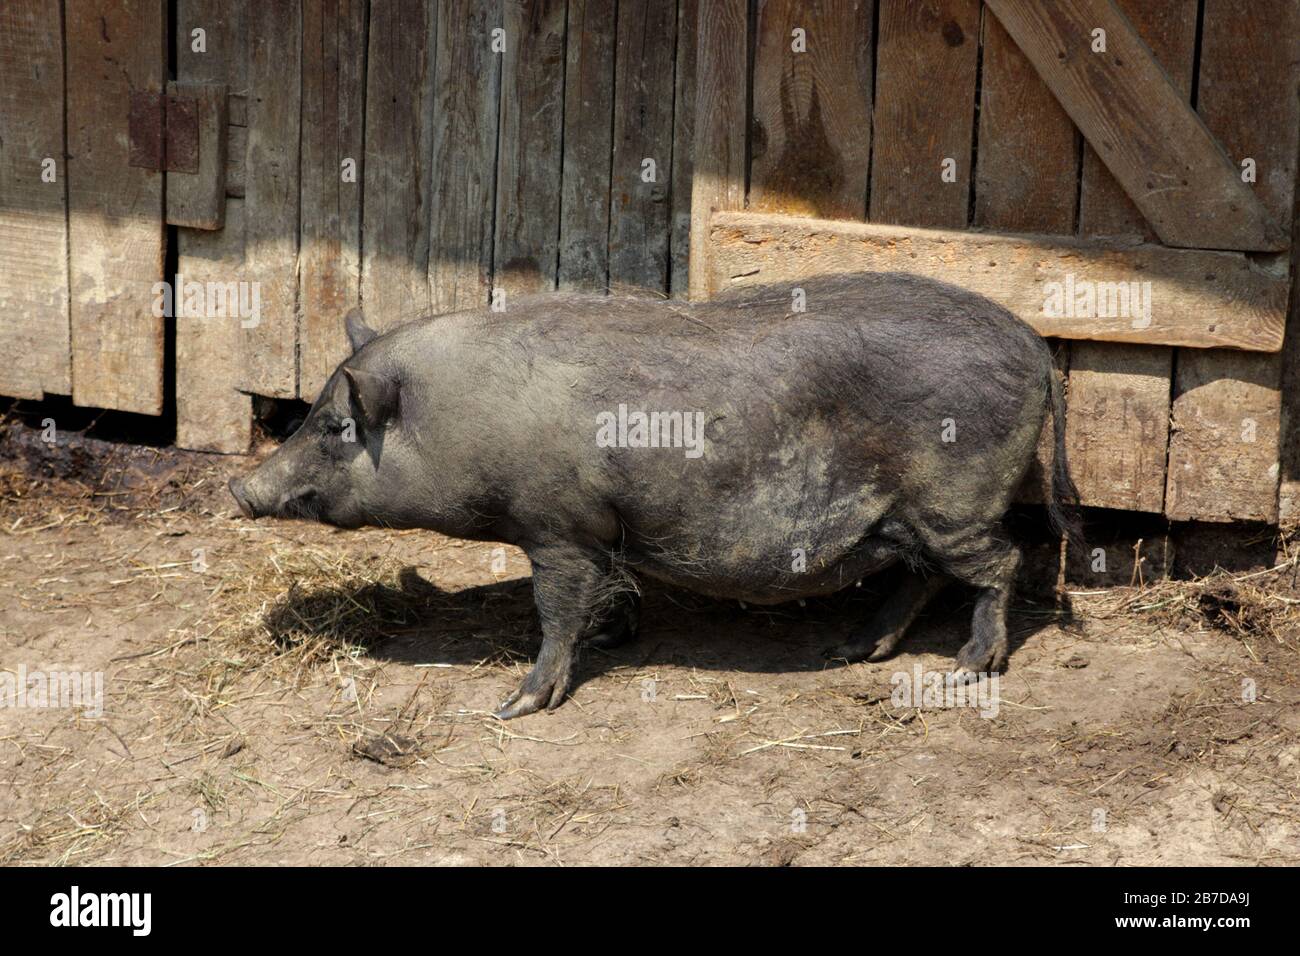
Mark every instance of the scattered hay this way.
pixel 61 836
pixel 1249 606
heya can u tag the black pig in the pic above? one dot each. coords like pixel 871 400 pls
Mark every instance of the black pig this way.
pixel 735 447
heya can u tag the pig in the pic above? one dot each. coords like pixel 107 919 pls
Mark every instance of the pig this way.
pixel 736 447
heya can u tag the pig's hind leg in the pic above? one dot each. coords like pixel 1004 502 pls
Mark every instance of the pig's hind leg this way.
pixel 890 623
pixel 985 560
pixel 566 585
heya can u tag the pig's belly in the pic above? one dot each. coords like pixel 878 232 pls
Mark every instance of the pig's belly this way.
pixel 765 559
pixel 723 581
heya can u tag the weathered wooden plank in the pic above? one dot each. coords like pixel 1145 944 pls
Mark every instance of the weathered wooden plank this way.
pixel 212 414
pixel 1197 297
pixel 116 236
pixel 1168 28
pixel 1120 444
pixel 1138 121
pixel 273 32
pixel 718 153
pixel 641 172
pixel 588 144
pixel 198 200
pixel 688 12
pixel 812 108
pixel 466 94
pixel 1224 456
pixel 1117 428
pixel 927 56
pixel 1028 160
pixel 34 321
pixel 398 196
pixel 333 110
pixel 528 170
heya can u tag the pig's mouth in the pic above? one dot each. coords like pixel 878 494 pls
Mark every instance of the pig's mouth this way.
pixel 300 504
pixel 304 503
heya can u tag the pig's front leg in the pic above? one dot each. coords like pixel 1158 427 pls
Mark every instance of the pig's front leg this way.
pixel 565 584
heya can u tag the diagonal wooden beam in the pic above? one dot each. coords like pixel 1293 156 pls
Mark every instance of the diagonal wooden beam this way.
pixel 1144 130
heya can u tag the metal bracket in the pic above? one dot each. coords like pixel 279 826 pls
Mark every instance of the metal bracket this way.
pixel 164 132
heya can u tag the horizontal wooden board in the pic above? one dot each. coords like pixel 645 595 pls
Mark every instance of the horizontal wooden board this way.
pixel 1198 298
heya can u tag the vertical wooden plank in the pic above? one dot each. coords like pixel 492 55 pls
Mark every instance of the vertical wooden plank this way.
pixel 812 108
pixel 212 414
pixel 274 35
pixel 116 237
pixel 33 203
pixel 927 56
pixel 1025 177
pixel 528 171
pixel 398 195
pixel 1028 161
pixel 1224 455
pixel 333 110
pixel 643 132
pixel 688 13
pixel 1119 437
pixel 466 94
pixel 1118 424
pixel 721 113
pixel 588 145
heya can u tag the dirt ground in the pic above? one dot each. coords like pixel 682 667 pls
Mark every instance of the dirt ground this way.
pixel 279 693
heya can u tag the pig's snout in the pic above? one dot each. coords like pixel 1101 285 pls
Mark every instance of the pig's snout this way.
pixel 241 497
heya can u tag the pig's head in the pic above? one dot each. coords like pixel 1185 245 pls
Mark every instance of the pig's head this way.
pixel 331 468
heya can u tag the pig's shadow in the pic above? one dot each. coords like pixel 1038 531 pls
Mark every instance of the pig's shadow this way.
pixel 419 623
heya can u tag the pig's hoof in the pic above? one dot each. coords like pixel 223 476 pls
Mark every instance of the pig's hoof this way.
pixel 846 652
pixel 974 660
pixel 870 650
pixel 536 693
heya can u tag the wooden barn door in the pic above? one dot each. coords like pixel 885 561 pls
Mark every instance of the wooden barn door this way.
pixel 1112 141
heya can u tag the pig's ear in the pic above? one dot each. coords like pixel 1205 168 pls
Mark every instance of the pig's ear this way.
pixel 358 332
pixel 374 395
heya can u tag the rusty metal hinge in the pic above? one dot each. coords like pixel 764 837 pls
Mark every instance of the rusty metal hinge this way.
pixel 164 132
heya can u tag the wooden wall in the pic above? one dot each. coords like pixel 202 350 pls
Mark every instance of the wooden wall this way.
pixel 525 145
pixel 516 145
pixel 848 139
